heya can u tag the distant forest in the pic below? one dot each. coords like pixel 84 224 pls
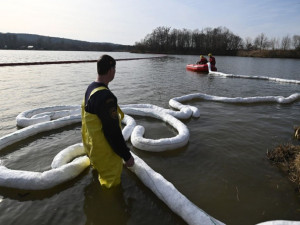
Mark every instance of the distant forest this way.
pixel 164 40
pixel 219 41
pixel 39 42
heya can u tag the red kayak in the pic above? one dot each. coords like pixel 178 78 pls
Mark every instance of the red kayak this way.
pixel 200 67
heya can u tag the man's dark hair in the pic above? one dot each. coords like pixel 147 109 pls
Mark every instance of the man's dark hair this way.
pixel 105 63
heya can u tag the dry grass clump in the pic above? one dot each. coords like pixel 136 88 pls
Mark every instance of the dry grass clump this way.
pixel 297 132
pixel 287 157
pixel 295 167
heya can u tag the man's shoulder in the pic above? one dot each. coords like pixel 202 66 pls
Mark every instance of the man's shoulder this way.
pixel 100 100
pixel 103 94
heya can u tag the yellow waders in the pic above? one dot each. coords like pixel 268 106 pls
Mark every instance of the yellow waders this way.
pixel 108 164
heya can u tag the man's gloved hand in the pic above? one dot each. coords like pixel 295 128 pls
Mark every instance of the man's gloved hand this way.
pixel 130 162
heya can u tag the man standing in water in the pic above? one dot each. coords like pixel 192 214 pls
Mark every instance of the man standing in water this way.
pixel 101 126
pixel 212 59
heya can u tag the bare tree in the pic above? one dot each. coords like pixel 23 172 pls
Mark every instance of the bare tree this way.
pixel 274 43
pixel 296 42
pixel 173 39
pixel 248 43
pixel 261 41
pixel 286 42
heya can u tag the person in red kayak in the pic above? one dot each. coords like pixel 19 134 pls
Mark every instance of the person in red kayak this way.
pixel 203 60
pixel 212 59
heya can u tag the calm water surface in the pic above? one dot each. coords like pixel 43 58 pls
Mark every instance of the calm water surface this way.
pixel 223 169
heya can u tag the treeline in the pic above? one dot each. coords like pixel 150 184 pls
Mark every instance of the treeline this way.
pixel 39 42
pixel 219 41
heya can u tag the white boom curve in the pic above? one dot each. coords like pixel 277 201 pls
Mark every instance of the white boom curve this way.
pixel 166 192
pixel 71 161
pixel 274 79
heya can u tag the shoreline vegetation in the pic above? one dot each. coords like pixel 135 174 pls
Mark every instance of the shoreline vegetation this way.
pixel 269 53
pixel 219 41
pixel 287 158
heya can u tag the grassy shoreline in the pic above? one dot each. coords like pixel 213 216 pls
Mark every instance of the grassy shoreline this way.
pixel 269 53
pixel 292 54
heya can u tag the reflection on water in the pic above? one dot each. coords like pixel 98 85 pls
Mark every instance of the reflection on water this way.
pixel 104 206
pixel 223 169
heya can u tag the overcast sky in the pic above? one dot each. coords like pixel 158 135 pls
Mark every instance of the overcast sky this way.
pixel 129 21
